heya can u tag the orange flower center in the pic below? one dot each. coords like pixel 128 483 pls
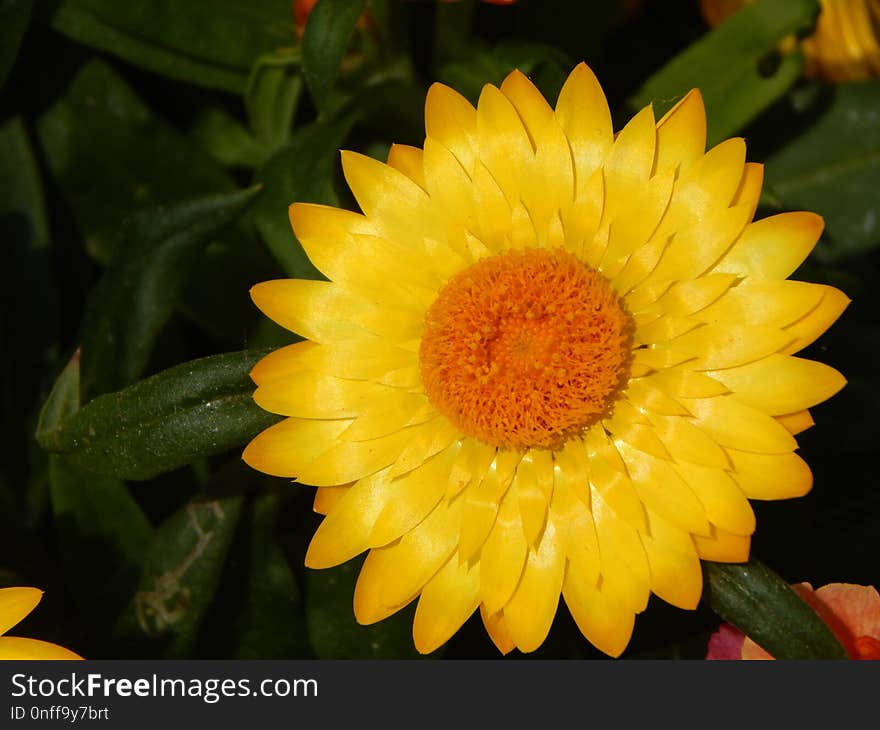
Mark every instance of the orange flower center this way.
pixel 525 349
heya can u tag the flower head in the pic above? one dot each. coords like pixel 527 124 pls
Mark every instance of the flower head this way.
pixel 548 359
pixel 15 604
pixel 852 612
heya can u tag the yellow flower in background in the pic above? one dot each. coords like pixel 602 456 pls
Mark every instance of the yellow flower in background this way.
pixel 549 359
pixel 844 46
pixel 15 604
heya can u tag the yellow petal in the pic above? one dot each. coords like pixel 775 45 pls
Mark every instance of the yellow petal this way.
pixel 285 449
pixel 723 547
pixel 574 526
pixel 447 601
pixel 807 329
pixel 725 504
pixel 684 298
pixel 15 648
pixel 308 394
pixel 602 618
pixel 482 501
pixel 425 440
pixel 583 114
pixel 618 492
pixel 503 141
pixel 635 223
pixel 676 575
pixel 710 182
pixel 749 192
pixel 503 556
pixel 681 382
pixel 629 162
pixel 781 384
pixel 733 424
pixel 530 611
pixel 452 121
pixel 449 186
pixel 533 483
pixel 345 531
pixel 393 575
pixel 686 442
pixel 414 495
pixel 317 310
pixel 681 133
pixel 395 411
pixel 625 574
pixel 772 248
pixel 768 303
pixel 408 160
pixel 796 423
pixel 770 476
pixel 725 345
pixel 471 465
pixel 661 489
pixel 327 497
pixel 497 629
pixel 281 362
pixel 15 604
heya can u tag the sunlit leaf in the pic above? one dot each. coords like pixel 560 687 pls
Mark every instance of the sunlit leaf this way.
pixel 726 65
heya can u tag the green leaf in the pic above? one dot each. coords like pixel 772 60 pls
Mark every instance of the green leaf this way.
pixel 182 569
pixel 333 631
pixel 212 43
pixel 765 608
pixel 14 18
pixel 196 409
pixel 271 97
pixel 832 167
pixel 726 65
pixel 103 536
pixel 302 171
pixel 325 41
pixel 138 292
pixel 271 624
pixel 226 139
pixel 64 399
pixel 112 158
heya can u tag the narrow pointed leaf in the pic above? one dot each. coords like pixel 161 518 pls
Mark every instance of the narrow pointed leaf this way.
pixel 726 65
pixel 196 409
pixel 327 33
pixel 764 607
pixel 138 291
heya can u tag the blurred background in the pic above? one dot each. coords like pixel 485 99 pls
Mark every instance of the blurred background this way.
pixel 148 152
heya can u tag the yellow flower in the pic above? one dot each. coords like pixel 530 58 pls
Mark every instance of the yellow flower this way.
pixel 15 604
pixel 844 46
pixel 549 359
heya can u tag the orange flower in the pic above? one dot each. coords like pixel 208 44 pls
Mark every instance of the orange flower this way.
pixel 852 612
